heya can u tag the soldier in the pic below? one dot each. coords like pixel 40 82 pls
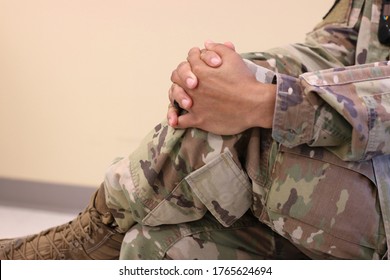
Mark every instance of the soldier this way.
pixel 301 173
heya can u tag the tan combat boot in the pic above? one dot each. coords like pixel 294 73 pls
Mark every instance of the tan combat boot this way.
pixel 92 235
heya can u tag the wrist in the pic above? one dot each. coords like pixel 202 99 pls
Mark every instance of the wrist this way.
pixel 263 106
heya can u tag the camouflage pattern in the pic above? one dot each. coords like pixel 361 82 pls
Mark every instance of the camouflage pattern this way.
pixel 355 127
pixel 207 239
pixel 175 176
pixel 310 179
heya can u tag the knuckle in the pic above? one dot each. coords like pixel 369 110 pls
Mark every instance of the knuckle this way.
pixel 181 64
pixel 197 69
pixel 175 93
pixel 193 50
pixel 176 78
pixel 173 75
pixel 184 68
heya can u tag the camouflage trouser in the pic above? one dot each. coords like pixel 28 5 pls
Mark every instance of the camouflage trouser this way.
pixel 208 239
pixel 176 176
pixel 326 207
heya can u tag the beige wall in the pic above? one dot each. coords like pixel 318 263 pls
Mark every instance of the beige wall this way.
pixel 82 81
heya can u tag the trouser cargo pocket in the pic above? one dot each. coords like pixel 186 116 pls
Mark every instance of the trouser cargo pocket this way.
pixel 325 205
pixel 219 186
pixel 223 188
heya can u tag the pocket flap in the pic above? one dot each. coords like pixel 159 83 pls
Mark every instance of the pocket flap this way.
pixel 223 188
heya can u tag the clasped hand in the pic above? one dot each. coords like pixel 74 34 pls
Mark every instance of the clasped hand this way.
pixel 219 93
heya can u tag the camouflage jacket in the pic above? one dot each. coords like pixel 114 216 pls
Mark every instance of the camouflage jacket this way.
pixel 332 93
pixel 345 106
pixel 333 90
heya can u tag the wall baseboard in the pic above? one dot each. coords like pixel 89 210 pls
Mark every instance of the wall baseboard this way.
pixel 44 196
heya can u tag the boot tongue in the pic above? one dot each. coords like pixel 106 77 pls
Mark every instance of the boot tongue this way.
pixel 101 206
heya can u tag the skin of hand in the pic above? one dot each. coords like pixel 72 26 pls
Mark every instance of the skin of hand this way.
pixel 178 94
pixel 224 98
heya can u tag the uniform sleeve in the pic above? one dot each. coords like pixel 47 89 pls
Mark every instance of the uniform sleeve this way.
pixel 322 99
pixel 344 109
pixel 331 44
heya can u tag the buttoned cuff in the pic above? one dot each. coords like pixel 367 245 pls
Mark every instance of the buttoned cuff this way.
pixel 294 116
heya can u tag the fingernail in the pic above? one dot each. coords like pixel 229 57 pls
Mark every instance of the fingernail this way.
pixel 185 103
pixel 215 60
pixel 190 82
pixel 170 122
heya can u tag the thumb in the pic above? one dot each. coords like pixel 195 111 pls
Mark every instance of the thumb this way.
pixel 185 121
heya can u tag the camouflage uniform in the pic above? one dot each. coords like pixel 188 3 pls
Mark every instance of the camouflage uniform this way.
pixel 312 182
